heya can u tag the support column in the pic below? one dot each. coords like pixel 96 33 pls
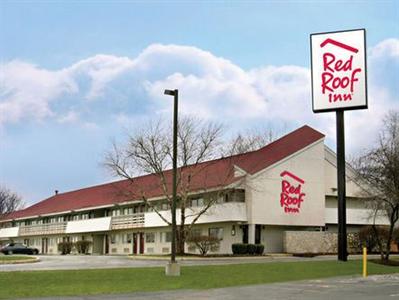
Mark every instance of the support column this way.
pixel 251 233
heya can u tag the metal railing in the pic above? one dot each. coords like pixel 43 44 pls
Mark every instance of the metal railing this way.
pixel 39 229
pixel 128 221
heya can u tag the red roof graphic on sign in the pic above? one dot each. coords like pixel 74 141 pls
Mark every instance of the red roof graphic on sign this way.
pixel 286 173
pixel 339 44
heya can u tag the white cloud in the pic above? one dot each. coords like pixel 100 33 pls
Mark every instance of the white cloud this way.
pixel 101 70
pixel 210 87
pixel 26 91
pixel 69 117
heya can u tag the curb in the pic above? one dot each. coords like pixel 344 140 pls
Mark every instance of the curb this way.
pixel 167 258
pixel 22 261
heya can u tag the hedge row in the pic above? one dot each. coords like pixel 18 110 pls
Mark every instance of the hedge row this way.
pixel 251 249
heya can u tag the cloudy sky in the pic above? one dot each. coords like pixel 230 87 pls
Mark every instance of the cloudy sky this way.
pixel 75 75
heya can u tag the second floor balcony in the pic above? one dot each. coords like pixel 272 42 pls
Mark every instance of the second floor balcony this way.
pixel 43 229
pixel 128 221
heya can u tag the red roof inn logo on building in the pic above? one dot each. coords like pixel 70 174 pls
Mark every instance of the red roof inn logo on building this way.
pixel 291 196
pixel 338 70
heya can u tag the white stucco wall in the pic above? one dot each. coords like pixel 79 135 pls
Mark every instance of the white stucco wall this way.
pixel 10 232
pixel 264 190
pixel 353 189
pixel 233 211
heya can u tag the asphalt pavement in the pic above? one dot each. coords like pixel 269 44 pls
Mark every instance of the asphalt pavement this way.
pixel 78 262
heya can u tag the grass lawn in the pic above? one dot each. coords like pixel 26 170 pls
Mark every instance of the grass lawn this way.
pixel 5 258
pixel 108 281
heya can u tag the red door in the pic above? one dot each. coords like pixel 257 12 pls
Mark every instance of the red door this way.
pixel 141 242
pixel 134 243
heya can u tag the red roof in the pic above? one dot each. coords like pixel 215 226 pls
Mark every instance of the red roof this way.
pixel 210 174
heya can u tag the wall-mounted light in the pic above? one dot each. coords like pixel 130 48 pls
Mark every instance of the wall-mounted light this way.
pixel 233 230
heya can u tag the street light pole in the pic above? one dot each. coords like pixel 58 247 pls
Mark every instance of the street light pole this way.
pixel 173 269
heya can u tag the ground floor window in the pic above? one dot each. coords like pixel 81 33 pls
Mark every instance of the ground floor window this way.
pixel 150 237
pixel 216 232
pixel 114 238
pixel 167 237
pixel 195 232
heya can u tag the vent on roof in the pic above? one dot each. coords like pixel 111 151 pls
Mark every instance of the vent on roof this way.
pixel 56 192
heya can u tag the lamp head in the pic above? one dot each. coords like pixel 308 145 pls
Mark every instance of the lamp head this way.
pixel 170 92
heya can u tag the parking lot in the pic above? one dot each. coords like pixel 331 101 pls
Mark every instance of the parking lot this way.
pixel 72 262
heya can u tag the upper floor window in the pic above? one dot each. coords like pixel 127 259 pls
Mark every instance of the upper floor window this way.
pixel 197 202
pixel 128 211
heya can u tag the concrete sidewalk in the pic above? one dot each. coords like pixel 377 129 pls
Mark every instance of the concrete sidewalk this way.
pixel 353 288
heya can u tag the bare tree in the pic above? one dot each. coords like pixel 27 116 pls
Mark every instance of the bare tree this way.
pixel 379 169
pixel 9 201
pixel 250 140
pixel 149 151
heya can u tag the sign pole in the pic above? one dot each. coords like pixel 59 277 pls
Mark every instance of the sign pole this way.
pixel 342 239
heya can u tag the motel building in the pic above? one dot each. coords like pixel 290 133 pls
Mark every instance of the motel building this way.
pixel 283 196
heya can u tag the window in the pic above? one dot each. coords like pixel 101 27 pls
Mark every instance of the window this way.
pixel 128 210
pixel 197 202
pixel 195 232
pixel 165 206
pixel 84 216
pixel 114 238
pixel 116 212
pixel 125 238
pixel 150 237
pixel 216 232
pixel 129 238
pixel 167 237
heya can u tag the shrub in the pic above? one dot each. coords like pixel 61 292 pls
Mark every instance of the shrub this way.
pixel 259 249
pixel 251 249
pixel 83 246
pixel 204 243
pixel 65 247
pixel 369 239
pixel 239 249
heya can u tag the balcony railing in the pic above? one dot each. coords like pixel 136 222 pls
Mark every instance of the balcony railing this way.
pixel 39 229
pixel 128 221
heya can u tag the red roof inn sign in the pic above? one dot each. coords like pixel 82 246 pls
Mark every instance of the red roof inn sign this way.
pixel 339 82
pixel 338 70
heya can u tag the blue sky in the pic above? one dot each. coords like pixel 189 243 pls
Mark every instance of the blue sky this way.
pixel 77 74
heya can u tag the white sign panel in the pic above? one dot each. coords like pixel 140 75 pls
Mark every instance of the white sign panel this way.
pixel 339 70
